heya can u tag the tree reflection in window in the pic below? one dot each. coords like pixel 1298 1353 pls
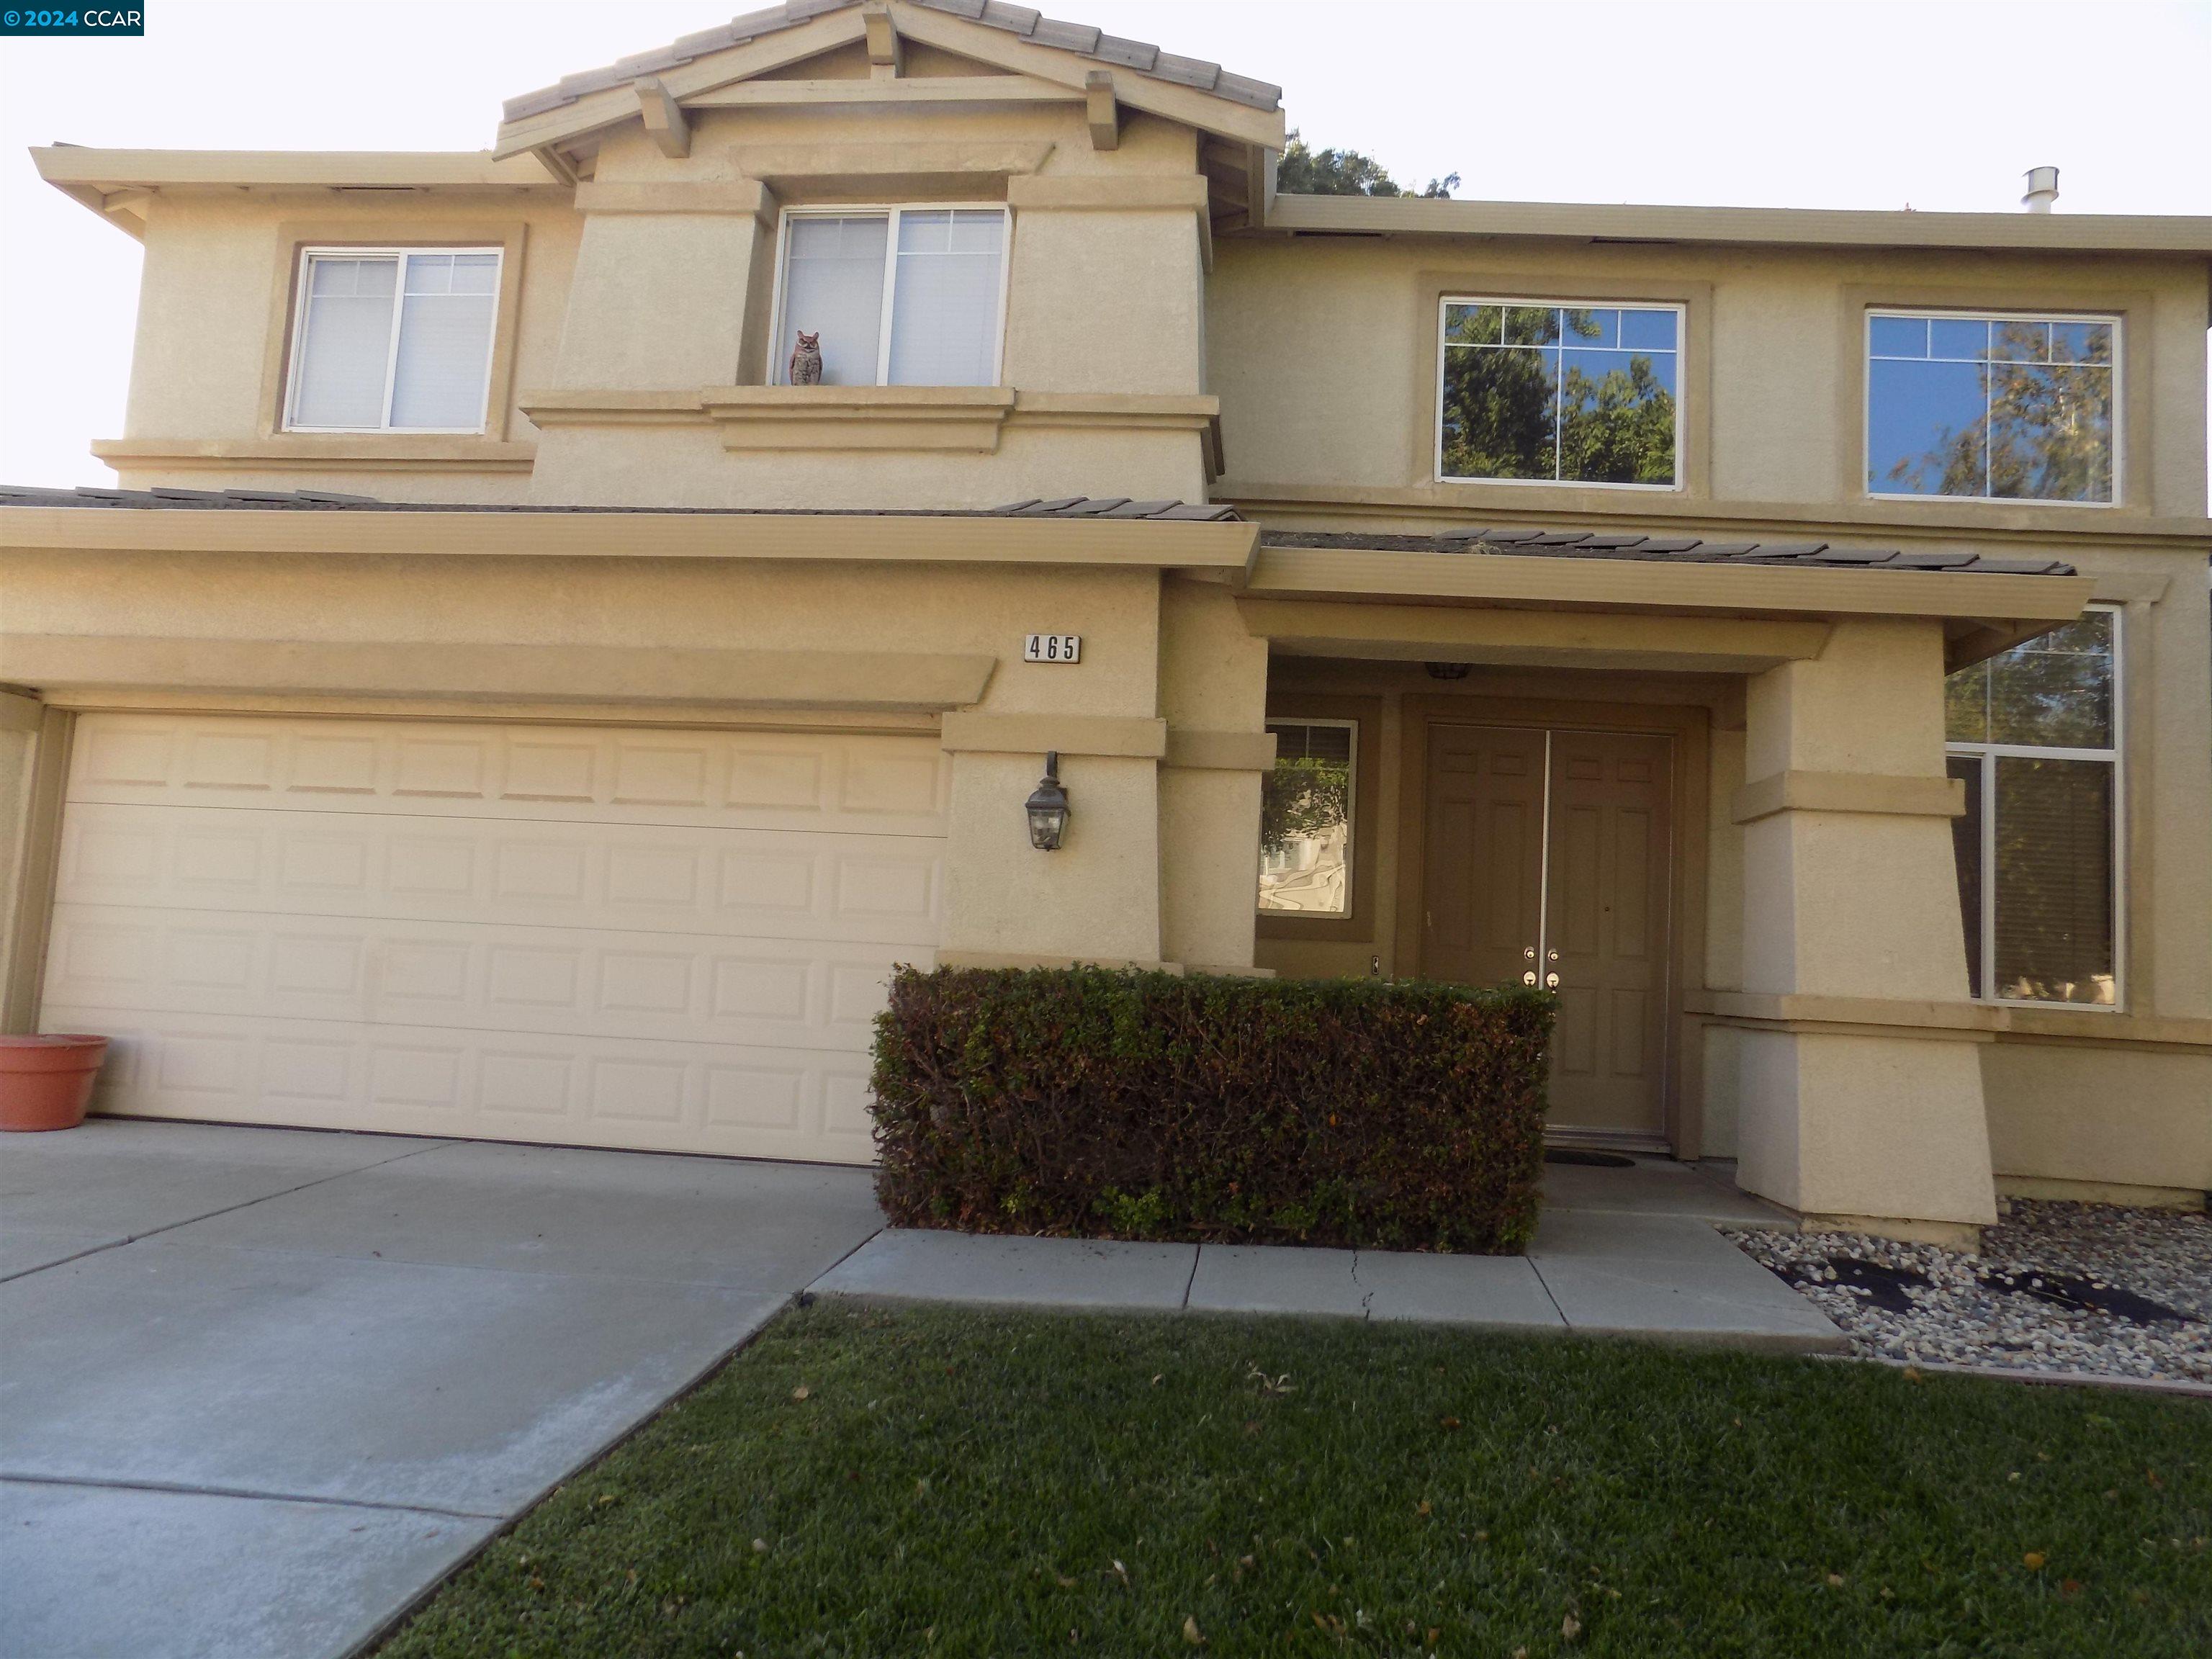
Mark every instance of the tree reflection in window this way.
pixel 1572 394
pixel 2001 408
pixel 2033 734
pixel 1305 819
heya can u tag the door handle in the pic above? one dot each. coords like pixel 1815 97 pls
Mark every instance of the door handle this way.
pixel 1551 982
pixel 1528 952
pixel 1551 956
pixel 1529 978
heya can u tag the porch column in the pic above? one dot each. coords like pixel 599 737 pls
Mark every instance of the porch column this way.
pixel 1858 1101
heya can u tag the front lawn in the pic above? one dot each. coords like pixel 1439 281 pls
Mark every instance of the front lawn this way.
pixel 878 1483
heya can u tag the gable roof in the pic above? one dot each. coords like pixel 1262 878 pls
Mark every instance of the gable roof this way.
pixel 1005 39
pixel 1020 21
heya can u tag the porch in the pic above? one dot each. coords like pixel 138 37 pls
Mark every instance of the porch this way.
pixel 1699 791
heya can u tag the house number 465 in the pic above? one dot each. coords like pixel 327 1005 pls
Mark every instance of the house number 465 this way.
pixel 1052 648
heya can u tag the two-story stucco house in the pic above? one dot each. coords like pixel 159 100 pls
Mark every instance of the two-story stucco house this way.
pixel 518 689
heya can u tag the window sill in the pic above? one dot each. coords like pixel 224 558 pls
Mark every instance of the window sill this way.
pixel 372 451
pixel 875 417
pixel 860 416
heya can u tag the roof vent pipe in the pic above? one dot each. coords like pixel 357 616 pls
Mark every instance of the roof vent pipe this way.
pixel 2042 190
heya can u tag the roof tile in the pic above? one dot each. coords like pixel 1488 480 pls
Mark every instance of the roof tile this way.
pixel 1023 21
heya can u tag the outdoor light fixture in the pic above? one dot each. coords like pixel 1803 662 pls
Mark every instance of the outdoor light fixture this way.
pixel 1448 670
pixel 1048 807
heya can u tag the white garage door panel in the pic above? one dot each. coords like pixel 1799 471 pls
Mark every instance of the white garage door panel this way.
pixel 721 780
pixel 684 987
pixel 768 884
pixel 741 1100
pixel 576 934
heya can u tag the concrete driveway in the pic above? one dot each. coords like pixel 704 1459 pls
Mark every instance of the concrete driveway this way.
pixel 259 1388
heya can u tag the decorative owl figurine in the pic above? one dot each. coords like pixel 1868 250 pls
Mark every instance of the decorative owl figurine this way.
pixel 806 360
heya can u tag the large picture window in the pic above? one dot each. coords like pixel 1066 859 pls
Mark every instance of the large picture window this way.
pixel 2035 736
pixel 1531 392
pixel 893 296
pixel 1306 818
pixel 393 340
pixel 2003 408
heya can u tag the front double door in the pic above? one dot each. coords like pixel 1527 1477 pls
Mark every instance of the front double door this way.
pixel 1547 863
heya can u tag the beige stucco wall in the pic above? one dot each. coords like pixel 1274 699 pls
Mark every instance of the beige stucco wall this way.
pixel 1770 374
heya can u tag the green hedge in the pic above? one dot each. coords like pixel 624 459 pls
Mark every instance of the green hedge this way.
pixel 1390 1114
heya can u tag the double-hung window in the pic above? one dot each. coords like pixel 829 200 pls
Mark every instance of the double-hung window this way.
pixel 2035 736
pixel 1306 818
pixel 893 296
pixel 1533 392
pixel 1991 407
pixel 393 339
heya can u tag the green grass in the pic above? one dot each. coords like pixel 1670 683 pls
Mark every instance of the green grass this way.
pixel 954 1482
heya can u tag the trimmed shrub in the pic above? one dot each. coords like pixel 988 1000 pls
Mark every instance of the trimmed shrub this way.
pixel 1391 1115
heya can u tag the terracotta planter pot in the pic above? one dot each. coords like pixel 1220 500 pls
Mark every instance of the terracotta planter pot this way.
pixel 45 1082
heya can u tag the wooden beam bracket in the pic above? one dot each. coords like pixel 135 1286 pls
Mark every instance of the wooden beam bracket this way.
pixel 886 57
pixel 1105 115
pixel 664 117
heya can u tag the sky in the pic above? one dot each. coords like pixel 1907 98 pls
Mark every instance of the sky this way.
pixel 1933 104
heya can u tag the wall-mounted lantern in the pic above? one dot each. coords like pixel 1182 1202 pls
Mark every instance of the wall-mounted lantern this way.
pixel 1048 807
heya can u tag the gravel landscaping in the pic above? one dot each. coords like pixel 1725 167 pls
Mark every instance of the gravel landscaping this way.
pixel 2059 1287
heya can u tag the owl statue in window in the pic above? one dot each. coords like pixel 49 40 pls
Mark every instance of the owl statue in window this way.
pixel 806 360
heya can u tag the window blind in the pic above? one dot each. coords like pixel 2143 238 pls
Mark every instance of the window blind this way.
pixel 833 286
pixel 346 342
pixel 945 306
pixel 445 340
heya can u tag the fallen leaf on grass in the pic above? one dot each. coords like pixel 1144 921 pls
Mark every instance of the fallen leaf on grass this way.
pixel 1451 1422
pixel 1065 1583
pixel 2070 1588
pixel 1421 1508
pixel 801 1392
pixel 1190 1631
pixel 1571 1628
pixel 1835 1581
pixel 2033 1560
pixel 760 1547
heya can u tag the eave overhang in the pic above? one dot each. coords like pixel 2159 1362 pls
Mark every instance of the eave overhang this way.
pixel 1584 221
pixel 1982 613
pixel 1218 551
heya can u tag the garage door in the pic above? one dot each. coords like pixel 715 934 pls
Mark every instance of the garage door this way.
pixel 615 937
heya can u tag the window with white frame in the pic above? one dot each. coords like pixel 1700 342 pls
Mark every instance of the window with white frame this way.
pixel 2034 734
pixel 1530 391
pixel 893 296
pixel 1992 407
pixel 1306 818
pixel 393 339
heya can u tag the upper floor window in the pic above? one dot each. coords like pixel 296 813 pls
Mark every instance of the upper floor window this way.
pixel 893 296
pixel 2034 734
pixel 1560 394
pixel 1991 407
pixel 393 340
pixel 1306 818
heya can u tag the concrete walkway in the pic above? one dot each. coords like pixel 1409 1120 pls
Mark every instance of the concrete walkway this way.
pixel 1618 1253
pixel 260 1388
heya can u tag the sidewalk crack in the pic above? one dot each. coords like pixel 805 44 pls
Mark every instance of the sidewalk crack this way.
pixel 228 1209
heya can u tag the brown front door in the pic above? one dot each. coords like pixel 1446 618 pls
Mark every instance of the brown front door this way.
pixel 1548 854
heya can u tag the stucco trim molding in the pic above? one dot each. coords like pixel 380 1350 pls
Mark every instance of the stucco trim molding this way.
pixel 284 452
pixel 728 196
pixel 806 417
pixel 1848 792
pixel 1196 749
pixel 1121 736
pixel 464 672
pixel 798 167
pixel 1958 1022
pixel 812 417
